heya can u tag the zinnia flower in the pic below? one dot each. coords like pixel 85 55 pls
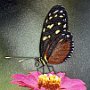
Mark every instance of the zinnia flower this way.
pixel 37 81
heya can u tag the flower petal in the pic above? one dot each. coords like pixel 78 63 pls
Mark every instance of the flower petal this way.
pixel 61 75
pixel 19 83
pixel 34 74
pixel 50 73
pixel 70 84
pixel 78 87
pixel 24 80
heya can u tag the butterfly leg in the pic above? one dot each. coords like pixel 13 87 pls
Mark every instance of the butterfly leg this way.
pixel 43 70
pixel 49 66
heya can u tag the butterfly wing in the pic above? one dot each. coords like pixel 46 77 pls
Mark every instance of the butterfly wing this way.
pixel 55 41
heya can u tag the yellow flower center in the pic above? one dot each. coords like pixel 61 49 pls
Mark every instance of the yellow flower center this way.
pixel 49 82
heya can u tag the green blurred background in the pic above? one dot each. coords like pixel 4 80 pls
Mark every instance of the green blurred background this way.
pixel 20 28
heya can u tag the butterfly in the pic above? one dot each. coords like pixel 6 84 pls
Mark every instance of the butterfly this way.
pixel 56 44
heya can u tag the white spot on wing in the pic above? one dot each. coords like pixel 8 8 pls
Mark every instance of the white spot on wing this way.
pixel 59 23
pixel 55 11
pixel 69 56
pixel 68 36
pixel 46 20
pixel 61 40
pixel 72 51
pixel 72 48
pixel 50 26
pixel 44 38
pixel 61 11
pixel 49 36
pixel 64 20
pixel 43 29
pixel 63 34
pixel 64 30
pixel 56 15
pixel 49 14
pixel 61 16
pixel 57 31
pixel 50 18
pixel 64 26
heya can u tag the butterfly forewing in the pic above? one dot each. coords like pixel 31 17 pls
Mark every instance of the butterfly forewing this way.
pixel 56 41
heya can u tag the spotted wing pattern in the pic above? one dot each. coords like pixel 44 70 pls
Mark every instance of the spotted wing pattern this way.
pixel 56 41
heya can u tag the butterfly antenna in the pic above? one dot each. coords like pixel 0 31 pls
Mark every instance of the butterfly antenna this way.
pixel 11 57
pixel 18 57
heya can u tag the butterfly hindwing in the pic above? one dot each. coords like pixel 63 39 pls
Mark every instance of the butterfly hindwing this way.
pixel 55 35
pixel 61 51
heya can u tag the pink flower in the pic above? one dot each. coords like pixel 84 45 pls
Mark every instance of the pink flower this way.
pixel 37 81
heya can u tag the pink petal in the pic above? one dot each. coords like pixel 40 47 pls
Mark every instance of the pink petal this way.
pixel 50 73
pixel 71 84
pixel 19 83
pixel 24 80
pixel 77 87
pixel 34 74
pixel 61 75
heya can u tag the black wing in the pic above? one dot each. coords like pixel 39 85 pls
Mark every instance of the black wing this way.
pixel 54 30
